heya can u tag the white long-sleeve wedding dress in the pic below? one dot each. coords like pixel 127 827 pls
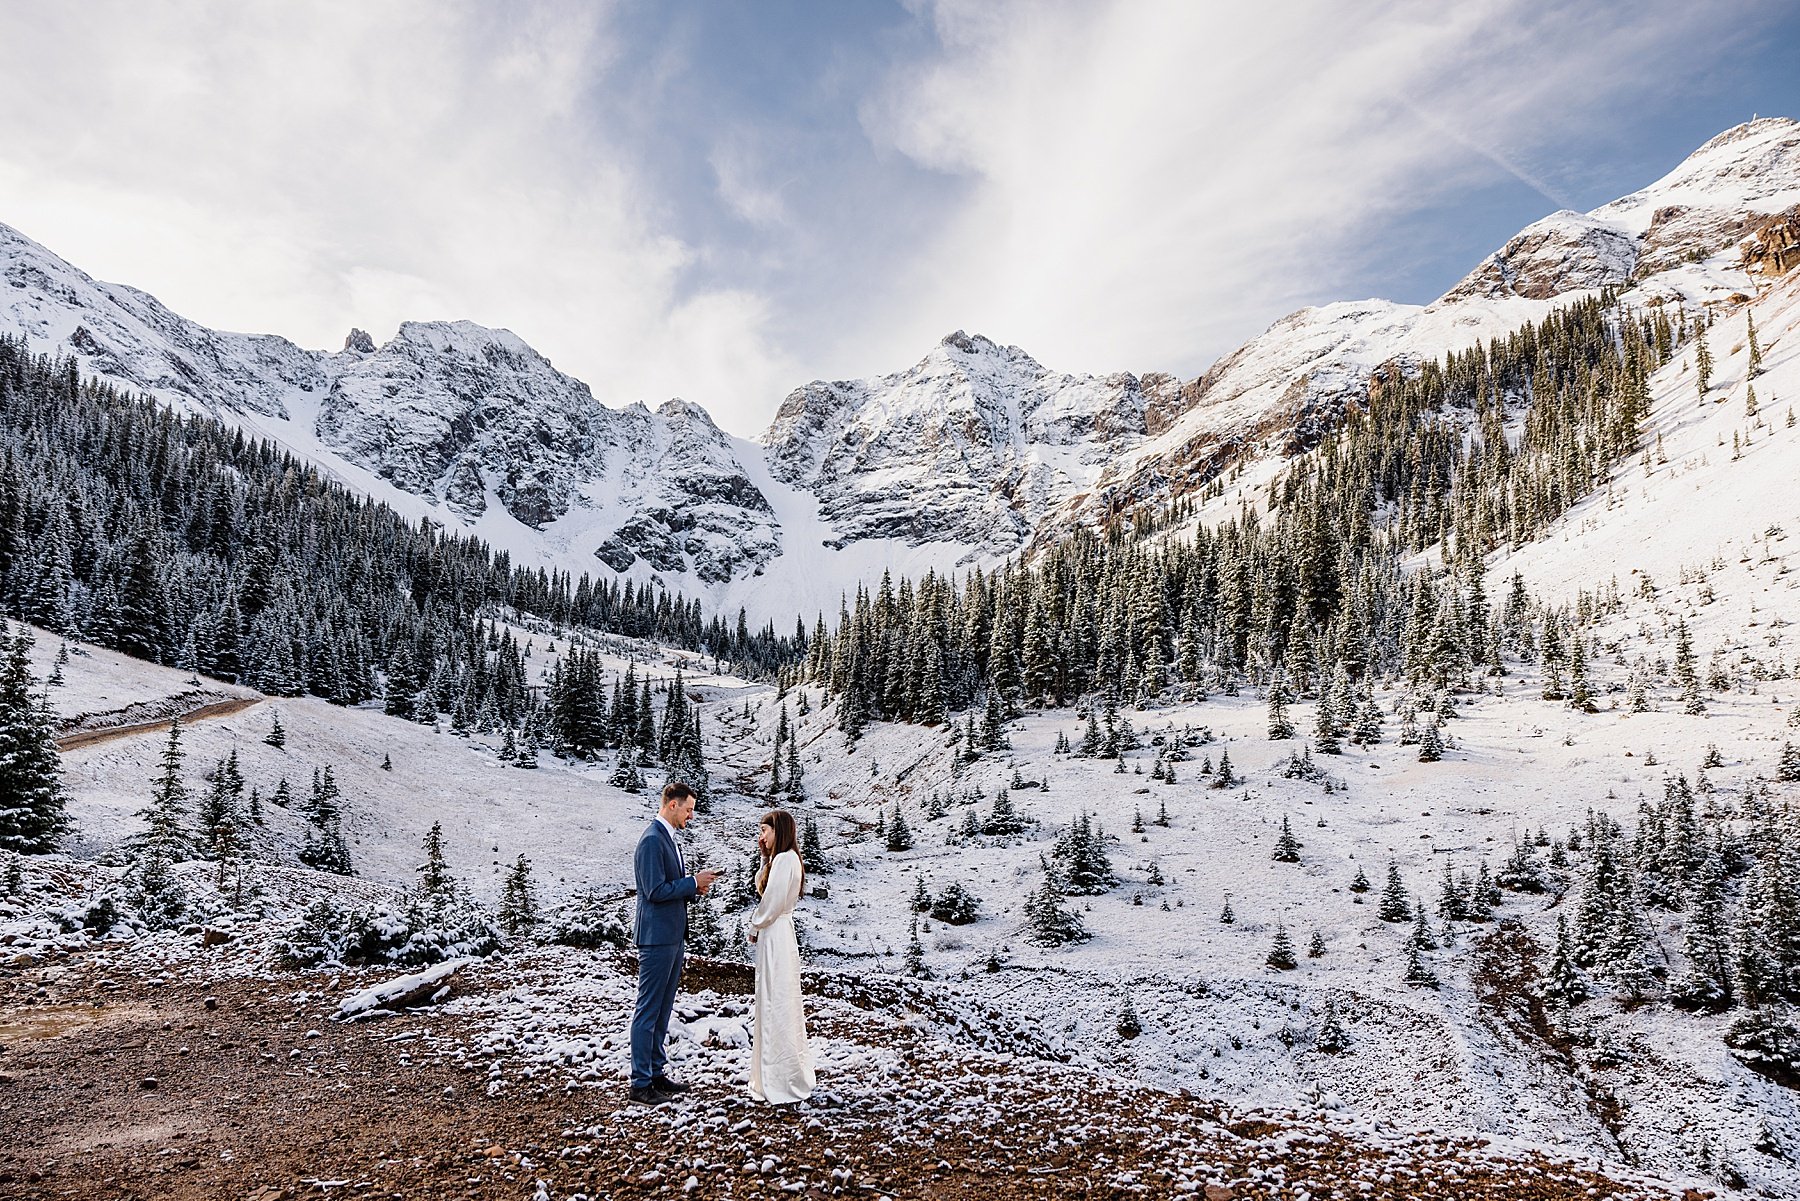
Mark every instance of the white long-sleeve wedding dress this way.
pixel 781 1062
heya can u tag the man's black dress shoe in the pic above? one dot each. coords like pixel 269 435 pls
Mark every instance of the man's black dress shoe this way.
pixel 647 1096
pixel 665 1087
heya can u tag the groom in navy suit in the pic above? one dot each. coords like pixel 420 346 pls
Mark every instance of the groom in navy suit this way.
pixel 664 889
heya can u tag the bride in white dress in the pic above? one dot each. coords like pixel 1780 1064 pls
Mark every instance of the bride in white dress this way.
pixel 781 1063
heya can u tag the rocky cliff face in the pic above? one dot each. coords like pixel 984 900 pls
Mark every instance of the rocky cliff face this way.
pixel 1774 247
pixel 975 444
pixel 451 409
pixel 1565 252
pixel 475 416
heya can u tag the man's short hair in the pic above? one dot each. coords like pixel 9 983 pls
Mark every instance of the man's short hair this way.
pixel 675 790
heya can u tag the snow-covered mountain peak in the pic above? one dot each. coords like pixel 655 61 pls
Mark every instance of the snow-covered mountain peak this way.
pixel 130 337
pixel 677 409
pixel 1754 167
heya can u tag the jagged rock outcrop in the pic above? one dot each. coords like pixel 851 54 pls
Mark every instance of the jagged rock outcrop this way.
pixel 1564 252
pixel 453 406
pixel 1774 247
pixel 975 444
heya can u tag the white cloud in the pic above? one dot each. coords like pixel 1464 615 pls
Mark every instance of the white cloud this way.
pixel 739 185
pixel 300 169
pixel 1153 182
pixel 1143 183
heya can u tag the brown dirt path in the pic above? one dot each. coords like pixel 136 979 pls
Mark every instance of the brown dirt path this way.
pixel 81 738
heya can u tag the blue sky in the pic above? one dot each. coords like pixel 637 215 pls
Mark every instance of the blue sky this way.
pixel 723 200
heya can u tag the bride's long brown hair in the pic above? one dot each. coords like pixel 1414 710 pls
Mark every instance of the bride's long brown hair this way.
pixel 786 839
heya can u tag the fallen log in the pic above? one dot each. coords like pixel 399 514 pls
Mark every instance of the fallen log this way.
pixel 426 987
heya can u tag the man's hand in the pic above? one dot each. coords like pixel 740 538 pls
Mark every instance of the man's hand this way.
pixel 704 880
pixel 752 937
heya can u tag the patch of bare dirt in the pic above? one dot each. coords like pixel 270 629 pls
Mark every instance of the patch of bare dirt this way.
pixel 83 738
pixel 126 1088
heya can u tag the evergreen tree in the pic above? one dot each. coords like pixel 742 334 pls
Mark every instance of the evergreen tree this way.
pixel 1090 741
pixel 1287 847
pixel 1281 955
pixel 1453 905
pixel 1129 1026
pixel 1566 986
pixel 796 774
pixel 1395 905
pixel 518 899
pixel 1048 922
pixel 1003 819
pixel 1581 697
pixel 32 800
pixel 436 884
pixel 277 735
pixel 1280 724
pixel 168 802
pixel 1431 746
pixel 221 809
pixel 1418 972
pixel 402 684
pixel 1703 364
pixel 1325 725
pixel 812 851
pixel 899 834
pixel 706 936
pixel 1707 939
pixel 325 848
pixel 1787 767
pixel 1367 731
pixel 1315 946
pixel 1080 855
pixel 1361 882
pixel 1685 674
pixel 626 775
pixel 915 954
pixel 1422 936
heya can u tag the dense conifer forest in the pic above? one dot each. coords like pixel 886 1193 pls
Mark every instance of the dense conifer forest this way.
pixel 181 541
pixel 1320 584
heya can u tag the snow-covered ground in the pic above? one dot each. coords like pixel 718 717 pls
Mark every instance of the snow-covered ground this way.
pixel 1697 533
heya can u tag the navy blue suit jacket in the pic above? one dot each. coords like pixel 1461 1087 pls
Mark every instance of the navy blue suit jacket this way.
pixel 663 890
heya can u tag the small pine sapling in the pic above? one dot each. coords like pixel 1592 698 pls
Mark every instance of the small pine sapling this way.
pixel 1281 955
pixel 1128 1025
pixel 1287 847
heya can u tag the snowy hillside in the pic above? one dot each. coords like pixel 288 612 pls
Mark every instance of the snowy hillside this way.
pixel 1679 239
pixel 1430 1017
pixel 974 452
